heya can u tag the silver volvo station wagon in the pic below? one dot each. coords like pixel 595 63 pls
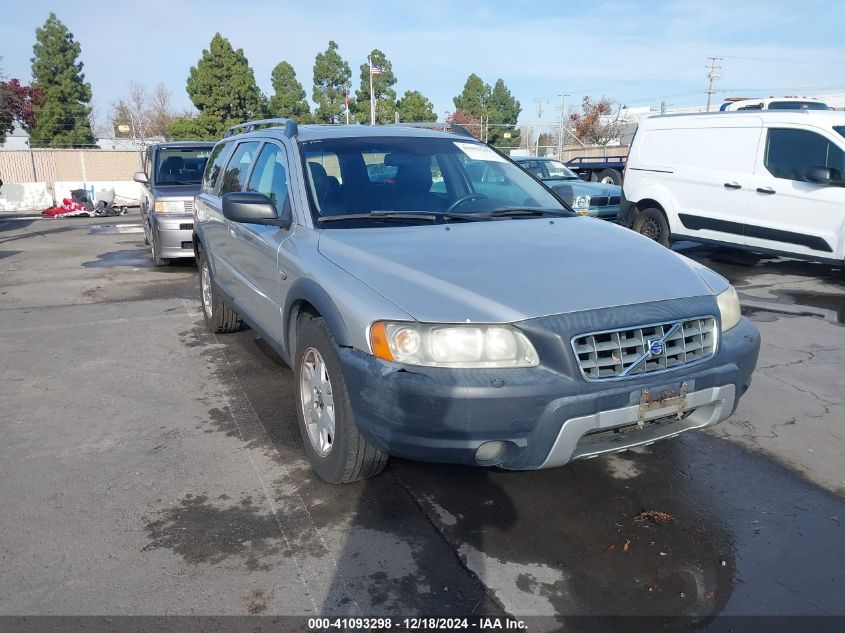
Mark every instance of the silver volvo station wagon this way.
pixel 430 316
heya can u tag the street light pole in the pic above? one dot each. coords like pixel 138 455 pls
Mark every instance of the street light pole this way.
pixel 560 131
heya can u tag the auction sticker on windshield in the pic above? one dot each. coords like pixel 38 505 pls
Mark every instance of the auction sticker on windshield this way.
pixel 476 151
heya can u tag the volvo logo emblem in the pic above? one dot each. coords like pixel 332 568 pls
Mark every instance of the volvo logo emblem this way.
pixel 655 347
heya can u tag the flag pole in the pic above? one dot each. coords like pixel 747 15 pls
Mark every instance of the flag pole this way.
pixel 372 95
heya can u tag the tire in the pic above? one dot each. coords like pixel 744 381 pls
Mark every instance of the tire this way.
pixel 652 223
pixel 158 262
pixel 219 317
pixel 340 454
pixel 146 239
pixel 610 177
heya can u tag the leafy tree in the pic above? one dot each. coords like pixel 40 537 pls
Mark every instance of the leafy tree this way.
pixel 382 87
pixel 503 112
pixel 17 105
pixel 474 98
pixel 222 87
pixel 597 123
pixel 331 82
pixel 413 106
pixel 62 119
pixel 471 123
pixel 289 98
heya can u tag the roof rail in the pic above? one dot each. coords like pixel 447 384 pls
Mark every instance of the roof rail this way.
pixel 454 128
pixel 289 125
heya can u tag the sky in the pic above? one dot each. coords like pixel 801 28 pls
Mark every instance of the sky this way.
pixel 635 53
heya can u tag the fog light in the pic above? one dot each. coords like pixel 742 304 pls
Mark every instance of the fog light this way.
pixel 489 451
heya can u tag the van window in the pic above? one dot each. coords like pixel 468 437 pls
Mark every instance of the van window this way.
pixel 791 153
pixel 214 166
pixel 270 176
pixel 238 167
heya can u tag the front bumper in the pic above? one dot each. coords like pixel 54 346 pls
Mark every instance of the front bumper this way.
pixel 605 213
pixel 173 235
pixel 543 416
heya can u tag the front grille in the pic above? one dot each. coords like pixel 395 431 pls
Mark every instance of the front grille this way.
pixel 186 226
pixel 189 206
pixel 615 200
pixel 622 353
pixel 598 201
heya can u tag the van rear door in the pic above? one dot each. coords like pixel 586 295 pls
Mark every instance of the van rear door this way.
pixel 787 213
pixel 713 176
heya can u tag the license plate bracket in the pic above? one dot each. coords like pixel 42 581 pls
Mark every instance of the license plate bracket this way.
pixel 666 399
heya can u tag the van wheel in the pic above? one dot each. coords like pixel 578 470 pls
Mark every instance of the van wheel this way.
pixel 610 177
pixel 334 447
pixel 158 261
pixel 219 317
pixel 652 223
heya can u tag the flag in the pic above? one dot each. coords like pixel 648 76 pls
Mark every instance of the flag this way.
pixel 375 70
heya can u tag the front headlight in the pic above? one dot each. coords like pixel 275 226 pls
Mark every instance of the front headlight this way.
pixel 447 345
pixel 728 308
pixel 170 206
pixel 581 202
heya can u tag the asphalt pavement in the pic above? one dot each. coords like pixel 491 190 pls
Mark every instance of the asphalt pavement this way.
pixel 149 467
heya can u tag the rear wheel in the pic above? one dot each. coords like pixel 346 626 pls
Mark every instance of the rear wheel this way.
pixel 219 317
pixel 610 177
pixel 334 447
pixel 652 223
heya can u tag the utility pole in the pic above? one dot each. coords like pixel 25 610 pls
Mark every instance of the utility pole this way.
pixel 712 74
pixel 560 131
pixel 539 102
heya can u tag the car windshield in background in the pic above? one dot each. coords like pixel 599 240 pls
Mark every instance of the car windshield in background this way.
pixel 557 169
pixel 424 178
pixel 180 166
pixel 797 105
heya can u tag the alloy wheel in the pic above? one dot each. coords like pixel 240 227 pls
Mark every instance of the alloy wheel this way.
pixel 317 401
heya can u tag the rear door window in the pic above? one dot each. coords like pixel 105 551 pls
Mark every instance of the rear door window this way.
pixel 237 169
pixel 214 167
pixel 791 153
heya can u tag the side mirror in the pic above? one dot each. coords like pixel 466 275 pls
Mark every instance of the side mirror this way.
pixel 825 176
pixel 250 207
pixel 140 177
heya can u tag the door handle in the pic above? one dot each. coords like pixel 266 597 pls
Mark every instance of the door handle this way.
pixel 733 185
pixel 766 190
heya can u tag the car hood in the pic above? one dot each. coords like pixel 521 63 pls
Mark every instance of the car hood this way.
pixel 176 191
pixel 583 188
pixel 511 270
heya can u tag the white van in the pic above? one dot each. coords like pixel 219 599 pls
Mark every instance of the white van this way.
pixel 774 103
pixel 769 181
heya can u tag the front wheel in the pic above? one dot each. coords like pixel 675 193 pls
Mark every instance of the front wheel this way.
pixel 334 447
pixel 652 223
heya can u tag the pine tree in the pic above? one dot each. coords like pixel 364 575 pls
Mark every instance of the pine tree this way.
pixel 62 118
pixel 331 82
pixel 382 87
pixel 413 106
pixel 474 97
pixel 289 98
pixel 503 111
pixel 222 87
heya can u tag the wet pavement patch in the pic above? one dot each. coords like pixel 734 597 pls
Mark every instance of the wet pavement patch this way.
pixel 134 258
pixel 202 533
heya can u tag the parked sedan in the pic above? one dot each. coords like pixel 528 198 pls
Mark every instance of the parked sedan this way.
pixel 586 198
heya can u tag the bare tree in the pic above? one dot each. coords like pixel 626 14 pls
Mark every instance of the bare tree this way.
pixel 599 122
pixel 143 114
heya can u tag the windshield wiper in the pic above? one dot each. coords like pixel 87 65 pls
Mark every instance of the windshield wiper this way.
pixel 176 182
pixel 503 212
pixel 433 216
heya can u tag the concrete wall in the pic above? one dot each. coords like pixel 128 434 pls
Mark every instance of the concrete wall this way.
pixel 25 197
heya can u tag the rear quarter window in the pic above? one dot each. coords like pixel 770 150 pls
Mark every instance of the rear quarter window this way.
pixel 214 167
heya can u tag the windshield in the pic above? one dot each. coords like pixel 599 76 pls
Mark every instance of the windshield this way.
pixel 413 175
pixel 557 169
pixel 180 166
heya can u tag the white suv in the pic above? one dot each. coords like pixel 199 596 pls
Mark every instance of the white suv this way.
pixel 767 181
